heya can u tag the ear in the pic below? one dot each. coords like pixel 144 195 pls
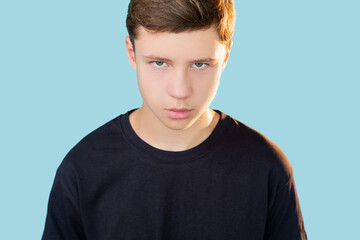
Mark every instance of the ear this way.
pixel 130 52
pixel 227 49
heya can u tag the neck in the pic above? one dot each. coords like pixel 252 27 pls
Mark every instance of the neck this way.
pixel 156 134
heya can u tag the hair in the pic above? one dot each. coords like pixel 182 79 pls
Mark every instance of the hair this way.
pixel 180 16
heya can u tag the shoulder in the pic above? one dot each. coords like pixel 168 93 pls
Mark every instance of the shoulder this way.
pixel 103 139
pixel 258 150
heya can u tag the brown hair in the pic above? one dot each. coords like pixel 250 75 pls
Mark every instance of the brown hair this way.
pixel 181 15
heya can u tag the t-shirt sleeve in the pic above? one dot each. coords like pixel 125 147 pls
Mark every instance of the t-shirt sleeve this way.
pixel 285 221
pixel 63 220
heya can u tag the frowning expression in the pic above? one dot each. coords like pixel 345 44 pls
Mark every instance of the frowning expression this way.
pixel 178 73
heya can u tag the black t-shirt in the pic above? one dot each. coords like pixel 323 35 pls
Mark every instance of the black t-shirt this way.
pixel 235 185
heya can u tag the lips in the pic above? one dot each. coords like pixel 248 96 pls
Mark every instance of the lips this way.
pixel 178 113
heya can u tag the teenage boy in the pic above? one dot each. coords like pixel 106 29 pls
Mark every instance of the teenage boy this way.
pixel 174 168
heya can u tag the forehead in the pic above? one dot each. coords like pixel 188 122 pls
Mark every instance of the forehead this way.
pixel 190 44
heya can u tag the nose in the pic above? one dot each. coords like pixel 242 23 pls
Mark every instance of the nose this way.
pixel 179 85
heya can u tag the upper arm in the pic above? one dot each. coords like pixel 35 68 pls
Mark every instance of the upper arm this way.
pixel 284 219
pixel 63 220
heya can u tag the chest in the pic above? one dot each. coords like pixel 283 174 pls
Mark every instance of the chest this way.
pixel 208 201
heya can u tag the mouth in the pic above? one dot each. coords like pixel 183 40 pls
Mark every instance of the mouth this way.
pixel 178 113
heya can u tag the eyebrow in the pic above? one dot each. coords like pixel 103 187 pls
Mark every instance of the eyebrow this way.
pixel 168 60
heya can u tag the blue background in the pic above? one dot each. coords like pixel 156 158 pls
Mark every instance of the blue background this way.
pixel 293 75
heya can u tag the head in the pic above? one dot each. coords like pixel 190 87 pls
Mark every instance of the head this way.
pixel 179 49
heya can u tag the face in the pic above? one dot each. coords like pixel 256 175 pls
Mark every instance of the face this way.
pixel 178 75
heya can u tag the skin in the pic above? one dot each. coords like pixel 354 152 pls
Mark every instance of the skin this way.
pixel 176 71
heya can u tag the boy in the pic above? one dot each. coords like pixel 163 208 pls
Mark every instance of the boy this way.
pixel 174 168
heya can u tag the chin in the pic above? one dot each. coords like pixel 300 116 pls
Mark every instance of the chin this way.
pixel 178 125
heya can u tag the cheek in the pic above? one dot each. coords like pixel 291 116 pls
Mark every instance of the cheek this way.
pixel 206 84
pixel 151 82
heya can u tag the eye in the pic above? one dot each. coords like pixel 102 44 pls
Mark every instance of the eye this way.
pixel 159 64
pixel 199 65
